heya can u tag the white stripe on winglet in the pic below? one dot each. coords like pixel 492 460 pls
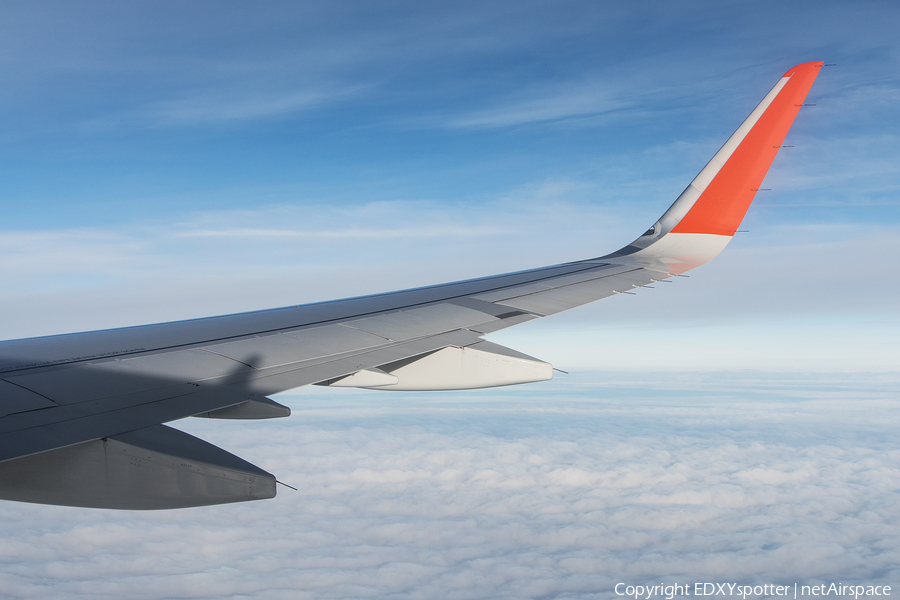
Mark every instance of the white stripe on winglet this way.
pixel 712 167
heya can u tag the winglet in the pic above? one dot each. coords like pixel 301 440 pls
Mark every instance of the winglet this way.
pixel 715 202
pixel 727 194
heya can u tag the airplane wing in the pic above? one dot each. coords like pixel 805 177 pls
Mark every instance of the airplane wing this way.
pixel 81 415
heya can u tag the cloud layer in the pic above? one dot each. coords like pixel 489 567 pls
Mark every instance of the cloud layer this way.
pixel 559 490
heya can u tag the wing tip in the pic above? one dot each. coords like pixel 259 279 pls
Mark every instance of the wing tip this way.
pixel 804 67
pixel 705 216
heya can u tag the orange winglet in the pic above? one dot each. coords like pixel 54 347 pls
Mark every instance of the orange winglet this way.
pixel 722 205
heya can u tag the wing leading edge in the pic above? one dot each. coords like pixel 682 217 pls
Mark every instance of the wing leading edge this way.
pixel 81 414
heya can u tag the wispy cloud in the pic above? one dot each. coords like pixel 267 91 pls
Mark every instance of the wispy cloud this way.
pixel 227 105
pixel 565 102
pixel 348 234
pixel 67 252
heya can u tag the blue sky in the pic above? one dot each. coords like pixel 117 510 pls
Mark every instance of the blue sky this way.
pixel 141 112
pixel 169 160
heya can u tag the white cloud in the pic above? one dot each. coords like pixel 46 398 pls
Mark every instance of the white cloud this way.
pixel 226 106
pixel 554 490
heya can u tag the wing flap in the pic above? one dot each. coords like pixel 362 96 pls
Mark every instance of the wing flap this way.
pixel 279 349
pixel 128 376
pixel 554 300
pixel 253 408
pixel 16 399
pixel 418 322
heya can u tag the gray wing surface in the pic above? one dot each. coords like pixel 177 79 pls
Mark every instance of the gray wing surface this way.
pixel 61 390
pixel 83 412
pixel 81 415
